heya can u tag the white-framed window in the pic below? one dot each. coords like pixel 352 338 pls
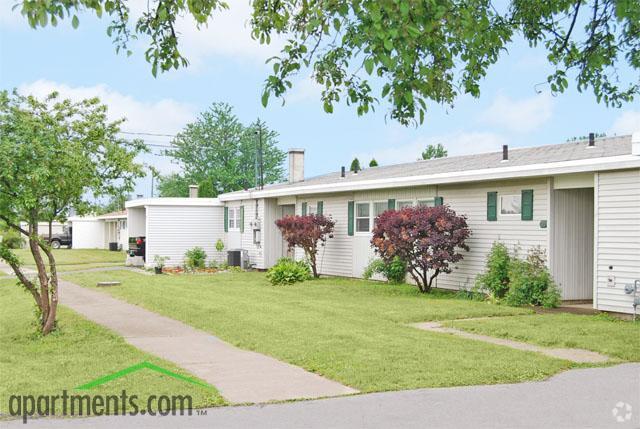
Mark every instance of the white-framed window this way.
pixel 510 205
pixel 379 207
pixel 234 218
pixel 429 202
pixel 363 217
pixel 403 203
pixel 311 208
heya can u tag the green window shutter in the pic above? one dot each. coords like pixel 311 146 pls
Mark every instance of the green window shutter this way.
pixel 350 214
pixel 391 204
pixel 492 206
pixel 304 209
pixel 319 207
pixel 438 201
pixel 527 204
pixel 241 219
pixel 226 219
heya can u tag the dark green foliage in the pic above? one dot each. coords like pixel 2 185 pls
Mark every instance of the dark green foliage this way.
pixel 530 282
pixel 287 271
pixel 394 271
pixel 355 165
pixel 219 154
pixel 12 239
pixel 434 151
pixel 516 281
pixel 495 280
pixel 195 258
pixel 406 53
pixel 373 163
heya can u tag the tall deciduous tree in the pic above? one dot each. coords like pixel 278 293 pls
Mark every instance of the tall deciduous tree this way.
pixel 427 239
pixel 307 232
pixel 218 153
pixel 55 155
pixel 434 151
pixel 417 50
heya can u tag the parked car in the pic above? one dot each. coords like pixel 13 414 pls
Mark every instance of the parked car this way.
pixel 60 239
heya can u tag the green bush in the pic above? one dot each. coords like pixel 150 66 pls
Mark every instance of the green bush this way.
pixel 495 280
pixel 195 258
pixel 394 271
pixel 219 245
pixel 287 271
pixel 12 239
pixel 530 282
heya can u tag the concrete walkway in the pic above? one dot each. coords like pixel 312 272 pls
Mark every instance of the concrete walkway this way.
pixel 241 376
pixel 574 355
pixel 581 398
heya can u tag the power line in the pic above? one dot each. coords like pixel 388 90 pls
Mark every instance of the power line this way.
pixel 142 133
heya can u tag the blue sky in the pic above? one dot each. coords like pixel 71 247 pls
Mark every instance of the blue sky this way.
pixel 226 65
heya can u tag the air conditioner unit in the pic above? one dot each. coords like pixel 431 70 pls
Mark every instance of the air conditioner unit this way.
pixel 238 258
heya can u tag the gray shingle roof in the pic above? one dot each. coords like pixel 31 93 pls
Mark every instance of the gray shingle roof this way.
pixel 604 147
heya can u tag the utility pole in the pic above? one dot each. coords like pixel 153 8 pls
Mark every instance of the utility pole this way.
pixel 259 160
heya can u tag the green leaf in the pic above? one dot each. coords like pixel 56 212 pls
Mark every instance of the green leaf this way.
pixel 265 98
pixel 368 65
pixel 75 21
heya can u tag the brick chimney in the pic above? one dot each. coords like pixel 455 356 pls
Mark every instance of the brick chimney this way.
pixel 296 165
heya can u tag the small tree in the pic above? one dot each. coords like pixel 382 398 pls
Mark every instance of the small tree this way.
pixel 373 163
pixel 355 165
pixel 495 280
pixel 428 239
pixel 434 151
pixel 56 154
pixel 307 232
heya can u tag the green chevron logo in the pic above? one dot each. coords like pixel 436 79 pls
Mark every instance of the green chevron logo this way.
pixel 137 367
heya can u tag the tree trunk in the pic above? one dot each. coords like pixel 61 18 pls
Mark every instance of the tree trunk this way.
pixel 46 297
pixel 314 269
pixel 416 278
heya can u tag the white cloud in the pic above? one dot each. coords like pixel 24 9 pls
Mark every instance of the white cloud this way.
pixel 304 90
pixel 522 115
pixel 460 143
pixel 165 116
pixel 228 34
pixel 627 123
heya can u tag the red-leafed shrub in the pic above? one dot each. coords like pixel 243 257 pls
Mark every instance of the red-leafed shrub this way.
pixel 428 239
pixel 307 232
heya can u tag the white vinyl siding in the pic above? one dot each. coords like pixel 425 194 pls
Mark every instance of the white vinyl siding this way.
pixel 335 258
pixel 617 239
pixel 172 230
pixel 471 200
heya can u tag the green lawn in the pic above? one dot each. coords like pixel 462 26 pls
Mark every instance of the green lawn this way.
pixel 76 354
pixel 351 331
pixel 77 259
pixel 615 338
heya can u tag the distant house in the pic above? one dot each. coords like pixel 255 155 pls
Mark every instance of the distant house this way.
pixel 100 232
pixel 579 201
pixel 171 226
